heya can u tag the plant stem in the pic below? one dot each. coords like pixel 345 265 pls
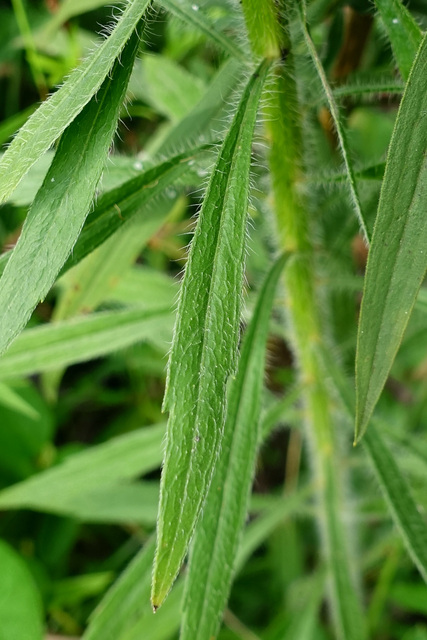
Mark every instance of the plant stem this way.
pixel 294 236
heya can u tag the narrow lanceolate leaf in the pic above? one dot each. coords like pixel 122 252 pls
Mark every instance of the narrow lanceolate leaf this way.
pixel 404 33
pixel 105 465
pixel 63 343
pixel 341 133
pixel 62 203
pixel 54 115
pixel 205 343
pixel 394 486
pixel 398 257
pixel 190 13
pixel 218 533
pixel 411 524
pixel 115 208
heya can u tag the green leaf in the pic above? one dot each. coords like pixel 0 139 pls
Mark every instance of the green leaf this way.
pixel 21 612
pixel 63 202
pixel 35 137
pixel 218 533
pixel 207 116
pixel 115 208
pixel 339 126
pixel 78 340
pixel 205 342
pixel 169 88
pixel 190 13
pixel 411 524
pixel 398 258
pixel 146 288
pixel 126 601
pixel 404 33
pixel 123 458
pixel 406 515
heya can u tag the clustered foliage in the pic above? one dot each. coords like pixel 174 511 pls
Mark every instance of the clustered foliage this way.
pixel 222 491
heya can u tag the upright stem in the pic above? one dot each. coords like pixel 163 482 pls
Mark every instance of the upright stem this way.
pixel 294 236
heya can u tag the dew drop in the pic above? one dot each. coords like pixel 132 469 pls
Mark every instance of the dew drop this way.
pixel 395 21
pixel 52 179
pixel 138 166
pixel 195 7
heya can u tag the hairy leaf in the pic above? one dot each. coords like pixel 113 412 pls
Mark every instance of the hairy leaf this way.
pixel 398 258
pixel 54 115
pixel 204 347
pixel 218 533
pixel 62 203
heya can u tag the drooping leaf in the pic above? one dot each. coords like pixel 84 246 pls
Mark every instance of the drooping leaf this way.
pixel 218 533
pixel 122 458
pixel 204 346
pixel 35 137
pixel 78 340
pixel 341 132
pixel 404 33
pixel 63 201
pixel 398 258
pixel 21 611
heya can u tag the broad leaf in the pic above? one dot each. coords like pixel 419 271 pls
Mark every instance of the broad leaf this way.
pixel 21 611
pixel 63 202
pixel 35 137
pixel 218 533
pixel 205 342
pixel 404 33
pixel 398 258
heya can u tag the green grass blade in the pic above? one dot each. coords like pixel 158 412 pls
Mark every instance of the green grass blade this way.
pixel 404 33
pixel 398 258
pixel 78 340
pixel 63 202
pixel 397 493
pixel 204 347
pixel 60 110
pixel 123 458
pixel 125 602
pixel 21 608
pixel 190 13
pixel 218 533
pixel 341 132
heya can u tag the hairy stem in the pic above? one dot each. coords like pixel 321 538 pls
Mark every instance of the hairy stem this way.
pixel 294 236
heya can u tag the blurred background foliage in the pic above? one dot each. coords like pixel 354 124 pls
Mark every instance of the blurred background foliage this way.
pixel 80 508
